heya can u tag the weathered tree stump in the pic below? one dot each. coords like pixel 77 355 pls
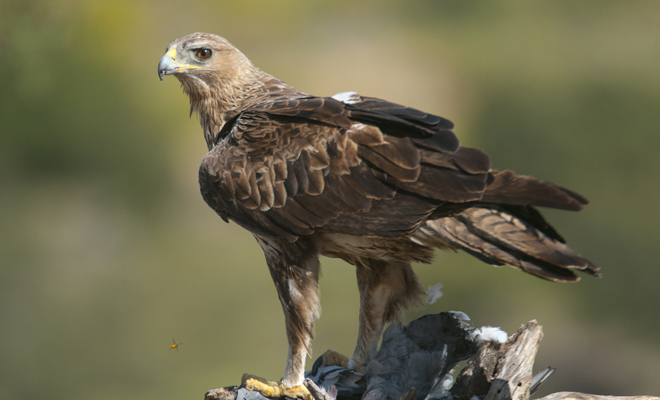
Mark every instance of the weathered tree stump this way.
pixel 495 371
pixel 501 371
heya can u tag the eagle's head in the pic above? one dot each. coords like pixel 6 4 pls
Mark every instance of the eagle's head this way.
pixel 215 75
pixel 203 59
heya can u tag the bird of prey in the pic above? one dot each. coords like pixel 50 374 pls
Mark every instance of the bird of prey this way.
pixel 368 181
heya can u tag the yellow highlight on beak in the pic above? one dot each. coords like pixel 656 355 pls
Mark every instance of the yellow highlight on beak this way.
pixel 169 65
pixel 172 54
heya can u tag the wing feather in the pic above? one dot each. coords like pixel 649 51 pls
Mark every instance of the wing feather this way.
pixel 387 166
pixel 266 190
pixel 365 182
pixel 301 176
pixel 242 184
pixel 294 166
pixel 509 188
pixel 305 217
pixel 291 181
pixel 314 174
pixel 348 194
pixel 254 201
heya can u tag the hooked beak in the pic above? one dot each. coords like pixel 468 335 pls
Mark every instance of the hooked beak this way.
pixel 168 64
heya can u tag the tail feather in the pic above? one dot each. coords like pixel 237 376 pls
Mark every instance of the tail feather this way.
pixel 498 236
pixel 509 188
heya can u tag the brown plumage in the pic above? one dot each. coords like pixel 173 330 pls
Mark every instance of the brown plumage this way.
pixel 358 178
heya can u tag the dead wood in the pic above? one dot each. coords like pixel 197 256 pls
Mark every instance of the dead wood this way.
pixel 495 371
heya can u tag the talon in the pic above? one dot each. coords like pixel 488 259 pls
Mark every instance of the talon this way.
pixel 275 389
pixel 298 392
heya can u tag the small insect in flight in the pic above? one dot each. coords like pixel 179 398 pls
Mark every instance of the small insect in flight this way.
pixel 175 345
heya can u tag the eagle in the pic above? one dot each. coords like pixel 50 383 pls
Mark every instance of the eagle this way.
pixel 374 183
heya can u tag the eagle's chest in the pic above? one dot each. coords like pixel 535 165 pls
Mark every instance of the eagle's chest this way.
pixel 357 249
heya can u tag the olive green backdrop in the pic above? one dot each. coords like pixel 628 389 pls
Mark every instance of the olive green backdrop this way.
pixel 107 250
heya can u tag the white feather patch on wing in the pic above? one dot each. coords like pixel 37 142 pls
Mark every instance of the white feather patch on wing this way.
pixel 433 293
pixel 489 334
pixel 347 97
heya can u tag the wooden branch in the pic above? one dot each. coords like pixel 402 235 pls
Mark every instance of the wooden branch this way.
pixel 225 393
pixel 503 371
pixel 316 392
pixel 513 374
pixel 584 396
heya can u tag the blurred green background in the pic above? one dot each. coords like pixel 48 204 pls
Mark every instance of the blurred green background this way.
pixel 107 250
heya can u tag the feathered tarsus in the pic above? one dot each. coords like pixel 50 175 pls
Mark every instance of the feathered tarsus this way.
pixel 358 178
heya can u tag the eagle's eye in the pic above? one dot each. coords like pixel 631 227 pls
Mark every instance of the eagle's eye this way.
pixel 203 54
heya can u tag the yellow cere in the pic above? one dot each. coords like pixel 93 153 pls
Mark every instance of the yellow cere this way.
pixel 172 54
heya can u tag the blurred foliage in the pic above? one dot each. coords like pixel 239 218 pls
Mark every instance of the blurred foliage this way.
pixel 107 251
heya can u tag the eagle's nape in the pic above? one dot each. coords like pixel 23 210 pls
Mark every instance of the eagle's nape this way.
pixel 374 183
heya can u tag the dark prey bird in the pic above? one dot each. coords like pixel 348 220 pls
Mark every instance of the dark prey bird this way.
pixel 374 183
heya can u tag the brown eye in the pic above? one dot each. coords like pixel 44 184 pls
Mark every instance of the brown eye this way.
pixel 203 54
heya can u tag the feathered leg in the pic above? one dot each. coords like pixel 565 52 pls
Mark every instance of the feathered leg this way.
pixel 294 268
pixel 386 289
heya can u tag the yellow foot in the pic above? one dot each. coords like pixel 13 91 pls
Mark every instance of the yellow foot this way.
pixel 275 389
